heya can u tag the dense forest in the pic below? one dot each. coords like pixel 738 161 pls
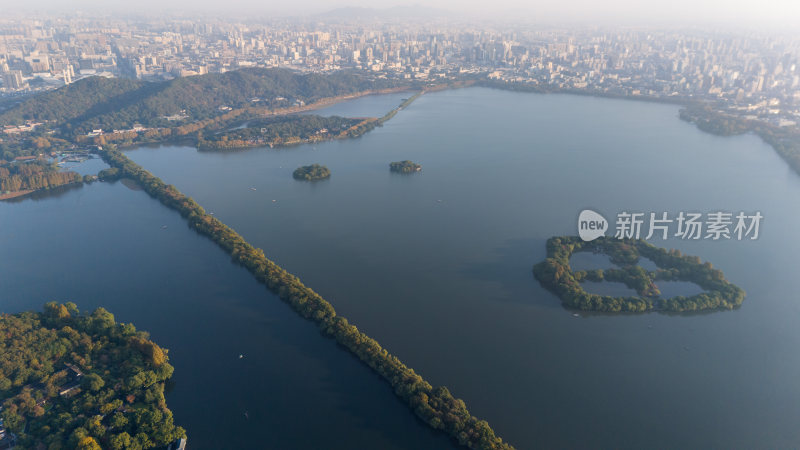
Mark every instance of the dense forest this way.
pixel 435 405
pixel 556 274
pixel 72 380
pixel 86 97
pixel 33 175
pixel 278 131
pixel 100 103
pixel 313 172
pixel 404 166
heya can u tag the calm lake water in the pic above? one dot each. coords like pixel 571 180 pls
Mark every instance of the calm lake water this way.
pixel 437 267
pixel 105 245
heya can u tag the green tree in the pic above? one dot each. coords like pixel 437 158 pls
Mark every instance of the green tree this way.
pixel 88 443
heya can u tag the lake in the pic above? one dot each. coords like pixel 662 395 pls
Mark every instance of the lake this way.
pixel 106 245
pixel 437 265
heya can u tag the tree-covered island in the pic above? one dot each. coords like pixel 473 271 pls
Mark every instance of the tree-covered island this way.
pixel 314 172
pixel 556 274
pixel 73 380
pixel 405 167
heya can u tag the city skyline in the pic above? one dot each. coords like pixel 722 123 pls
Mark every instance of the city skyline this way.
pixel 756 76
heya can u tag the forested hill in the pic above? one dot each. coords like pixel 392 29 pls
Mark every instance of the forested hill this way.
pixel 88 95
pixel 117 104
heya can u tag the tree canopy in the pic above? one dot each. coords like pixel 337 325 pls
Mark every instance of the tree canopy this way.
pixel 72 380
pixel 405 166
pixel 33 175
pixel 279 131
pixel 313 172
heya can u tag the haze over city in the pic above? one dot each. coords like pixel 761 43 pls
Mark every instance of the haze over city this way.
pixel 744 13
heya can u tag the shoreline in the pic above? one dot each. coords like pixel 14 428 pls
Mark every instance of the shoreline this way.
pixel 23 195
pixel 203 146
pixel 17 194
pixel 188 132
pixel 363 127
pixel 329 101
pixel 784 141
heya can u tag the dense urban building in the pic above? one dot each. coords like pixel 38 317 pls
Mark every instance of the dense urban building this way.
pixel 756 75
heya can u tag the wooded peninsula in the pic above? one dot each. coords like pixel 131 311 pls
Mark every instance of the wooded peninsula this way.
pixel 282 131
pixel 246 108
pixel 33 175
pixel 99 111
pixel 73 380
pixel 434 405
pixel 556 274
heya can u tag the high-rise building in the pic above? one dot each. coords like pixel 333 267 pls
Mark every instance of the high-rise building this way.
pixel 12 80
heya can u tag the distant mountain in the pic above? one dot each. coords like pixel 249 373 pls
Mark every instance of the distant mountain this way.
pixel 404 11
pixel 118 103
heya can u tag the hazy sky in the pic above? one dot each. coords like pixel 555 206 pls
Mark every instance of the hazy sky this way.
pixel 750 12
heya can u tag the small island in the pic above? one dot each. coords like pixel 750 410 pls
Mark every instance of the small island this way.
pixel 405 167
pixel 556 275
pixel 73 380
pixel 109 174
pixel 313 172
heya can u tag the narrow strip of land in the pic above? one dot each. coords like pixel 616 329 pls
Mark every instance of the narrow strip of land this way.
pixel 434 405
